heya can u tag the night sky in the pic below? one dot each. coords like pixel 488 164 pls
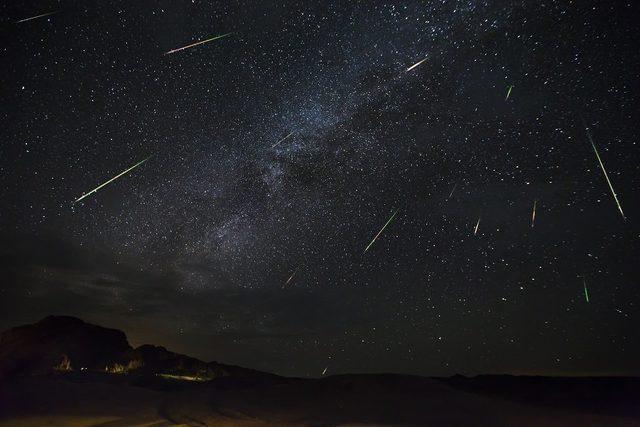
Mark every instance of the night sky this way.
pixel 232 244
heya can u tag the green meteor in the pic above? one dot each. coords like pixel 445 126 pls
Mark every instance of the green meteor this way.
pixel 112 179
pixel 381 230
pixel 606 176
pixel 509 92
pixel 586 293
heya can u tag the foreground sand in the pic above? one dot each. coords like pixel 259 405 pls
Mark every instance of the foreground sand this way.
pixel 348 400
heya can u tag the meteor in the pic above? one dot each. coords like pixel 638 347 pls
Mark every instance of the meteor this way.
pixel 416 64
pixel 509 92
pixel 197 43
pixel 381 230
pixel 288 280
pixel 454 189
pixel 533 215
pixel 586 293
pixel 280 141
pixel 112 179
pixel 325 370
pixel 37 16
pixel 615 196
pixel 475 231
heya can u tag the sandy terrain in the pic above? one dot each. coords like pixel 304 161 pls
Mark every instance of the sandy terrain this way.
pixel 349 400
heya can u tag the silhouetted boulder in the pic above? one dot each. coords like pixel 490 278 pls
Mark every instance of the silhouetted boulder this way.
pixel 60 343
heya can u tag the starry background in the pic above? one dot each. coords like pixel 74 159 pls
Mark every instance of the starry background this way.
pixel 193 249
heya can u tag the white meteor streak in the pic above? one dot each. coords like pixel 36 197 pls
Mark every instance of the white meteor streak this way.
pixel 475 231
pixel 197 43
pixel 111 180
pixel 325 370
pixel 280 141
pixel 615 196
pixel 37 16
pixel 290 278
pixel 454 189
pixel 533 215
pixel 416 64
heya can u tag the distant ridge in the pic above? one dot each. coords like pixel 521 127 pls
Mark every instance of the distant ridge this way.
pixel 58 344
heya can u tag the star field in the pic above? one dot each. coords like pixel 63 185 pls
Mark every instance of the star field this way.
pixel 279 151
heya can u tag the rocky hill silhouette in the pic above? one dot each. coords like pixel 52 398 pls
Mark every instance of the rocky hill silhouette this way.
pixel 58 344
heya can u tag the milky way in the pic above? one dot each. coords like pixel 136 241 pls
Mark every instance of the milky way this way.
pixel 280 150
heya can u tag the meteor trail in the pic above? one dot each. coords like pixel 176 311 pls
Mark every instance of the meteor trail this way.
pixel 416 64
pixel 280 141
pixel 37 16
pixel 325 370
pixel 381 230
pixel 289 279
pixel 112 179
pixel 454 189
pixel 509 92
pixel 197 43
pixel 586 293
pixel 533 215
pixel 615 196
pixel 475 231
